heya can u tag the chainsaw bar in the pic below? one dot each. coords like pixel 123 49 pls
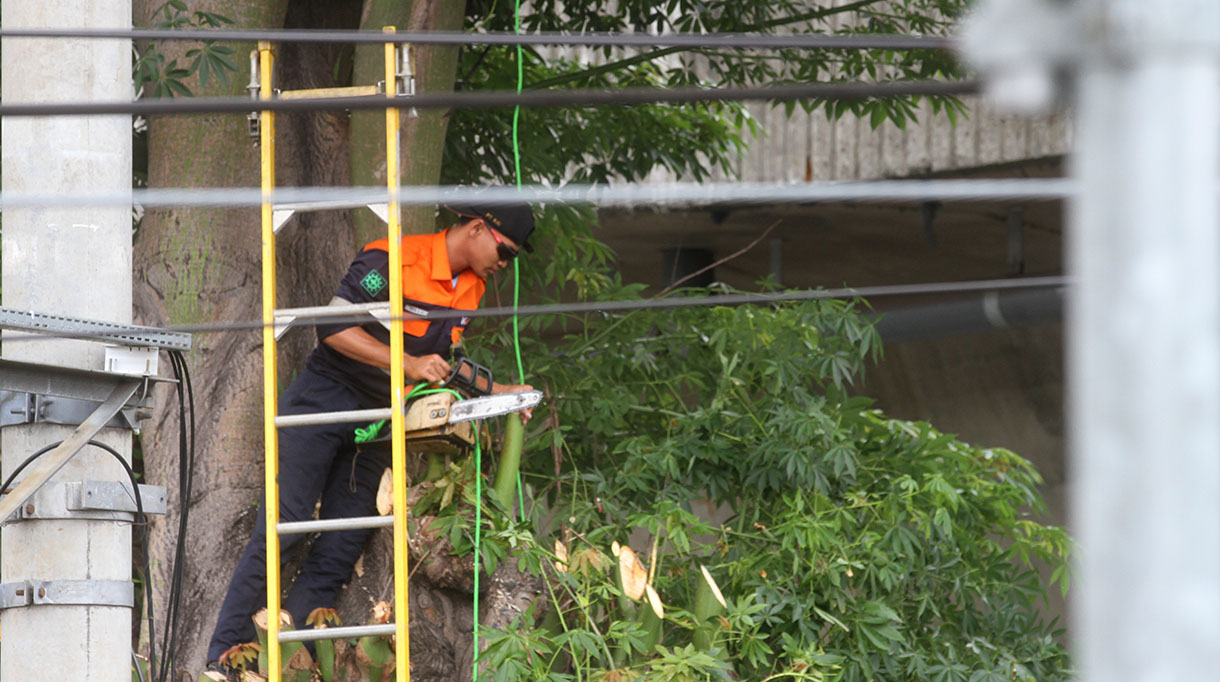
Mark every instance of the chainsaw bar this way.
pixel 492 405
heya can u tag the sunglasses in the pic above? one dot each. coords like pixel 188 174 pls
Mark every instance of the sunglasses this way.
pixel 504 251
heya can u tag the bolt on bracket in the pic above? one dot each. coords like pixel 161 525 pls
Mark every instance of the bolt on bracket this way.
pixel 19 407
pixel 67 592
pixel 89 500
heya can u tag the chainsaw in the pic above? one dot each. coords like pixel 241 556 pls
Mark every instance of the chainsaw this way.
pixel 442 422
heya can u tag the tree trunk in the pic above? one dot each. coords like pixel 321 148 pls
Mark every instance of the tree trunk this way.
pixel 423 134
pixel 203 266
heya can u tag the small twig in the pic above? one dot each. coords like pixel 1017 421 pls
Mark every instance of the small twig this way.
pixel 722 261
pixel 418 563
pixel 556 451
pixel 477 62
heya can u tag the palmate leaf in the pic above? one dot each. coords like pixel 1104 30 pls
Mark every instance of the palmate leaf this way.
pixel 211 61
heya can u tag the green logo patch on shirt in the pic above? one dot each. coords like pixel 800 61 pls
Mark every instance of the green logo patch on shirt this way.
pixel 374 283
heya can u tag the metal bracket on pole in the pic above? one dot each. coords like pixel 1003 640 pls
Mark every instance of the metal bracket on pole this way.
pixel 46 466
pixel 90 500
pixel 67 592
pixel 92 330
pixel 68 382
pixel 17 407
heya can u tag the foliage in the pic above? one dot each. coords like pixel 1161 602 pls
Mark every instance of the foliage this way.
pixel 853 546
pixel 154 74
pixel 597 144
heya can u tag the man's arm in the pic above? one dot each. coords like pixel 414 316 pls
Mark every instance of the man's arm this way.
pixel 361 346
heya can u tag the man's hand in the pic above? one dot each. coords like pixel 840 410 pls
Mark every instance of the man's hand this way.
pixel 515 388
pixel 431 368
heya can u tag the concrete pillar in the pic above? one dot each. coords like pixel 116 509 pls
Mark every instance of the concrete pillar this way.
pixel 1144 341
pixel 75 262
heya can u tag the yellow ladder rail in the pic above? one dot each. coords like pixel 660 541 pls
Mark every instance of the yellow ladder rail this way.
pixel 402 633
pixel 270 393
pixel 266 121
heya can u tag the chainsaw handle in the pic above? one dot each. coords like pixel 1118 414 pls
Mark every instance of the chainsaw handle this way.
pixel 470 378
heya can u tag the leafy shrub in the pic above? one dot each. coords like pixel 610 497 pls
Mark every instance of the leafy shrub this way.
pixel 852 546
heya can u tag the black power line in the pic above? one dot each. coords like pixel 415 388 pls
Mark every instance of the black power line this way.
pixel 503 99
pixel 627 306
pixel 689 40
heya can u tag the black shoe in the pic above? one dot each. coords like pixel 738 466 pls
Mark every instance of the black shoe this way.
pixel 221 673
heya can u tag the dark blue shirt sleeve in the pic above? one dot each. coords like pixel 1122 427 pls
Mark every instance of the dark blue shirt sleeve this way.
pixel 366 281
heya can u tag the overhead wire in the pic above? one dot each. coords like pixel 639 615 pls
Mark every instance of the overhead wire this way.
pixel 661 195
pixel 503 38
pixel 499 99
pixel 623 306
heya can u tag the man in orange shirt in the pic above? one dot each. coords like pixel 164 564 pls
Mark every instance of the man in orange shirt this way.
pixel 349 371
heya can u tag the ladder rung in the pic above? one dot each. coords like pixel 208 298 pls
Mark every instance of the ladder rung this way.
pixel 336 633
pixel 322 311
pixel 282 212
pixel 350 91
pixel 320 418
pixel 349 523
pixel 286 317
pixel 334 310
pixel 327 205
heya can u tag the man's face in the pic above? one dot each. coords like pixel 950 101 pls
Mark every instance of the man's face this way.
pixel 492 250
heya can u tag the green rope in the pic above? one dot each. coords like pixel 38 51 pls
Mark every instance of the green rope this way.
pixel 368 433
pixel 478 524
pixel 478 453
pixel 516 264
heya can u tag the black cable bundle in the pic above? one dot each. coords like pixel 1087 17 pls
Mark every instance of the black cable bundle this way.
pixel 186 477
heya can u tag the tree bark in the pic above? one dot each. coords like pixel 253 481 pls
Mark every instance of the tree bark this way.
pixel 203 266
pixel 422 135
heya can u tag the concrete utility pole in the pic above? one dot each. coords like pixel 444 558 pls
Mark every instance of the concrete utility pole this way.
pixel 74 262
pixel 1144 332
pixel 1144 315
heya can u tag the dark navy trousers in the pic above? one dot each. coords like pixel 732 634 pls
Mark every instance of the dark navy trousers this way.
pixel 315 462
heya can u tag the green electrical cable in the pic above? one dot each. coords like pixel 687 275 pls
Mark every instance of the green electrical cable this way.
pixel 516 264
pixel 478 524
pixel 478 453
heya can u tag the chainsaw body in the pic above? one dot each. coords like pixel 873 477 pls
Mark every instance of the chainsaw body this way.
pixel 443 423
pixel 427 429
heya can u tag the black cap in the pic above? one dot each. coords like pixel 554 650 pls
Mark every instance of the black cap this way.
pixel 514 220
